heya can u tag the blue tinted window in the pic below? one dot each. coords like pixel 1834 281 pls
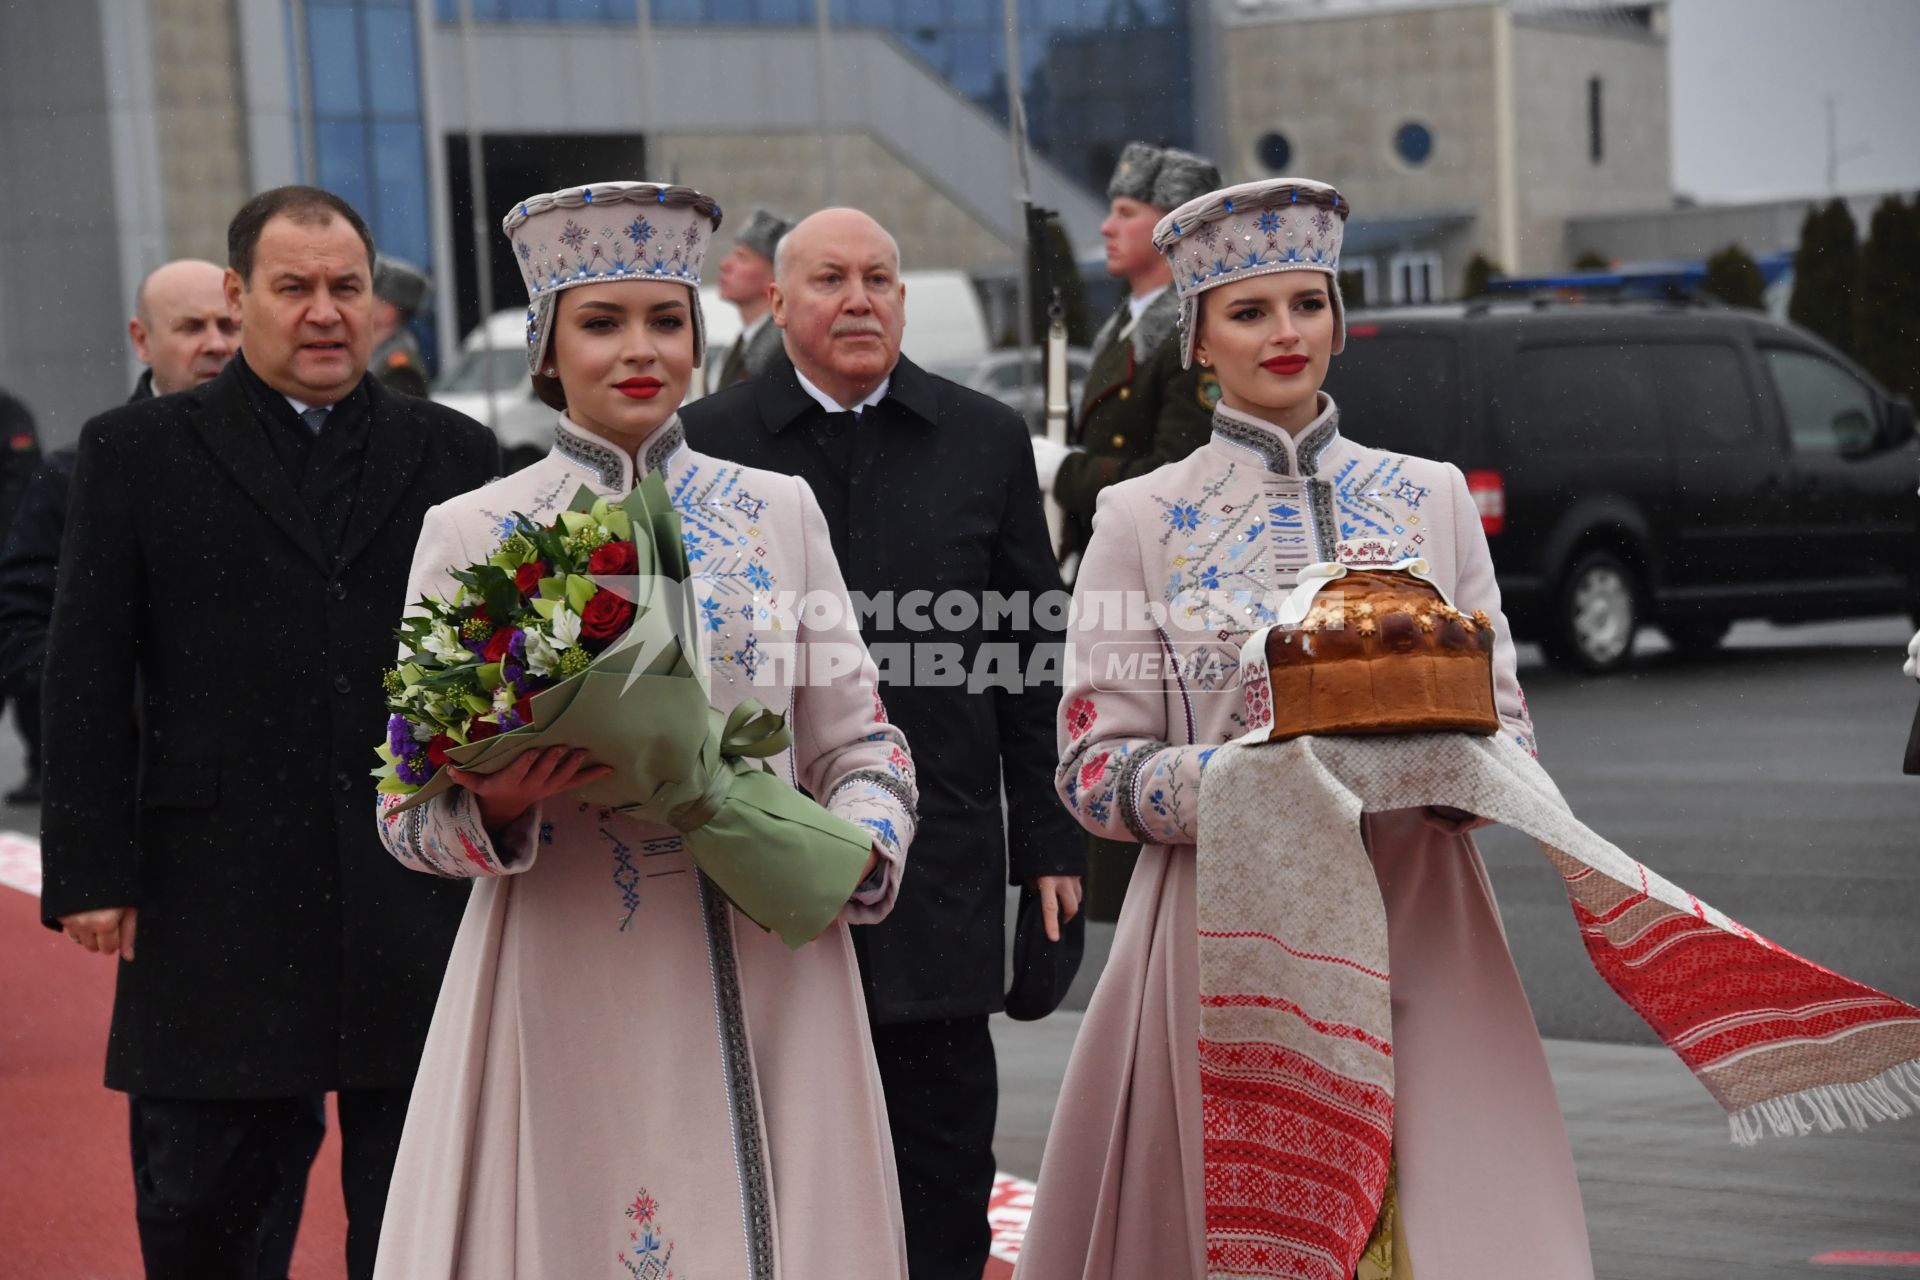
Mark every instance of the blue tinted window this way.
pixel 392 64
pixel 1413 143
pixel 732 12
pixel 399 211
pixel 786 12
pixel 342 154
pixel 333 47
pixel 678 11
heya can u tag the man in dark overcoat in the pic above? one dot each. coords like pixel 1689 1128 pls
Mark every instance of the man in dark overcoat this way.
pixel 235 562
pixel 929 495
pixel 184 334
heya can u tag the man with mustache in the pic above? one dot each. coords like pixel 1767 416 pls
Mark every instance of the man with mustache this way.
pixel 928 491
pixel 184 332
pixel 235 557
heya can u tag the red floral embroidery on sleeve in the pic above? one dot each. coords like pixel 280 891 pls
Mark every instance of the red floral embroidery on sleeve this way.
pixel 1094 770
pixel 1080 718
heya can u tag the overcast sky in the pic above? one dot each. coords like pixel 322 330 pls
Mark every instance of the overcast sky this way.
pixel 1750 78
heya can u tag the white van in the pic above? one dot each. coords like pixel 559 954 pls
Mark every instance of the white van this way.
pixel 946 334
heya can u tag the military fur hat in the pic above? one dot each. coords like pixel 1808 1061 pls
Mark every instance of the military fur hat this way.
pixel 608 231
pixel 400 283
pixel 763 231
pixel 1161 176
pixel 1254 229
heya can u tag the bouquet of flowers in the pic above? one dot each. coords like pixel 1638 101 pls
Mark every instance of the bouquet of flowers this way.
pixel 581 633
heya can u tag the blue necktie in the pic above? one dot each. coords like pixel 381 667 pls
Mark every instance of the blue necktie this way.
pixel 315 418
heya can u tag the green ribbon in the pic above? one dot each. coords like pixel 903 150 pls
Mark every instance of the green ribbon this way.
pixel 750 732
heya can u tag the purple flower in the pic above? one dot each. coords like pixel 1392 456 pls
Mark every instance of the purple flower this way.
pixel 399 736
pixel 518 645
pixel 413 768
pixel 509 721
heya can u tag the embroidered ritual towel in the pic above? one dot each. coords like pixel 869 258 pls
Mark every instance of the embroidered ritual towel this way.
pixel 1296 1053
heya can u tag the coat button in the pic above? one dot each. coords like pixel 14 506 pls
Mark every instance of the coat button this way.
pixel 339 590
pixel 1118 441
pixel 1126 392
pixel 342 685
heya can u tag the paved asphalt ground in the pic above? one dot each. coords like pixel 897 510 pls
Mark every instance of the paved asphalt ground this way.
pixel 1767 781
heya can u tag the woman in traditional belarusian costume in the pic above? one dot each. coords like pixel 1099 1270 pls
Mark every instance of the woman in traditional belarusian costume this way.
pixel 1484 1185
pixel 624 1075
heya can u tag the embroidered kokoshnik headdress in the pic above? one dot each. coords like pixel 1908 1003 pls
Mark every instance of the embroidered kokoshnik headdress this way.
pixel 605 232
pixel 1254 229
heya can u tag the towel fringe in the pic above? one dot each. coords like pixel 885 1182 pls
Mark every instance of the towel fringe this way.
pixel 1894 1094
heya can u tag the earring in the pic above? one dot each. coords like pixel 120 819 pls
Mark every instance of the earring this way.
pixel 551 372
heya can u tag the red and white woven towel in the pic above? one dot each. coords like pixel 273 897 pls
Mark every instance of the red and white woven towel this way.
pixel 1296 1060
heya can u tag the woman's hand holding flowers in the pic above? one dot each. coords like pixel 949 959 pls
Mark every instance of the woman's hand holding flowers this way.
pixel 531 778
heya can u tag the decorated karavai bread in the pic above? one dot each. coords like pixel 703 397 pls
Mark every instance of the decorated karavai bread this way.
pixel 1369 644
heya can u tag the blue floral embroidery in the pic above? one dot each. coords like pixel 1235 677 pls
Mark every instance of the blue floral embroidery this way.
pixel 758 578
pixel 884 828
pixel 711 613
pixel 640 231
pixel 1184 516
pixel 1269 223
pixel 1099 809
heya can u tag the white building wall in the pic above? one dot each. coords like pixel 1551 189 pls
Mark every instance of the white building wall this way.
pixel 1557 178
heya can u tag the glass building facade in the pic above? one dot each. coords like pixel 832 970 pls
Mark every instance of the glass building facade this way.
pixel 1098 72
pixel 369 131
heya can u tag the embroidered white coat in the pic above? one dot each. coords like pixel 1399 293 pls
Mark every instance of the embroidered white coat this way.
pixel 1486 1184
pixel 624 1076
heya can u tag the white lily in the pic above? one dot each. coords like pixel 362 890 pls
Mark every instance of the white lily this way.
pixel 444 644
pixel 566 628
pixel 542 658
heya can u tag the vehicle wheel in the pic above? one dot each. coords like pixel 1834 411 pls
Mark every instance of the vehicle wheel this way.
pixel 1696 637
pixel 1597 614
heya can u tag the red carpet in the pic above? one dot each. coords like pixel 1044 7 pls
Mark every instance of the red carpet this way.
pixel 66 1191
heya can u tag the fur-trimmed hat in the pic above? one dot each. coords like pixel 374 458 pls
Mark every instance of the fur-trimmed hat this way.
pixel 1161 176
pixel 399 283
pixel 763 231
pixel 608 231
pixel 1254 229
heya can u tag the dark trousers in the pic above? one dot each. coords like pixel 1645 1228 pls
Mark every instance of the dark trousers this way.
pixel 219 1185
pixel 942 1089
pixel 26 718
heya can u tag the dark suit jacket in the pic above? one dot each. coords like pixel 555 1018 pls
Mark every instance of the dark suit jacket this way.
pixel 30 564
pixel 280 951
pixel 940 496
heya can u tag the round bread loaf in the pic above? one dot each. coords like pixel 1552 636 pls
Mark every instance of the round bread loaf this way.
pixel 1380 651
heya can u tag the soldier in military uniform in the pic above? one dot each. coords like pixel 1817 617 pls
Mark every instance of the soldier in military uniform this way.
pixel 1140 409
pixel 745 276
pixel 400 289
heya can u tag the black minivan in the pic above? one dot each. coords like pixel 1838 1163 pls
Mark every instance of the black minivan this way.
pixel 1635 463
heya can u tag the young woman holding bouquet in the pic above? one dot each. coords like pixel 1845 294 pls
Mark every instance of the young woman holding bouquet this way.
pixel 624 1074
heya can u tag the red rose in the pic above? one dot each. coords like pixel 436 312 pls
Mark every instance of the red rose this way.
pixel 497 645
pixel 605 618
pixel 437 749
pixel 614 559
pixel 481 730
pixel 524 709
pixel 527 578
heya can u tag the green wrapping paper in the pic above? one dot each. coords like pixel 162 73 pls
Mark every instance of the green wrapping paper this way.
pixel 644 710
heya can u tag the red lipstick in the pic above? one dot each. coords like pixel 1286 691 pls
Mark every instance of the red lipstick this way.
pixel 639 388
pixel 1285 366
